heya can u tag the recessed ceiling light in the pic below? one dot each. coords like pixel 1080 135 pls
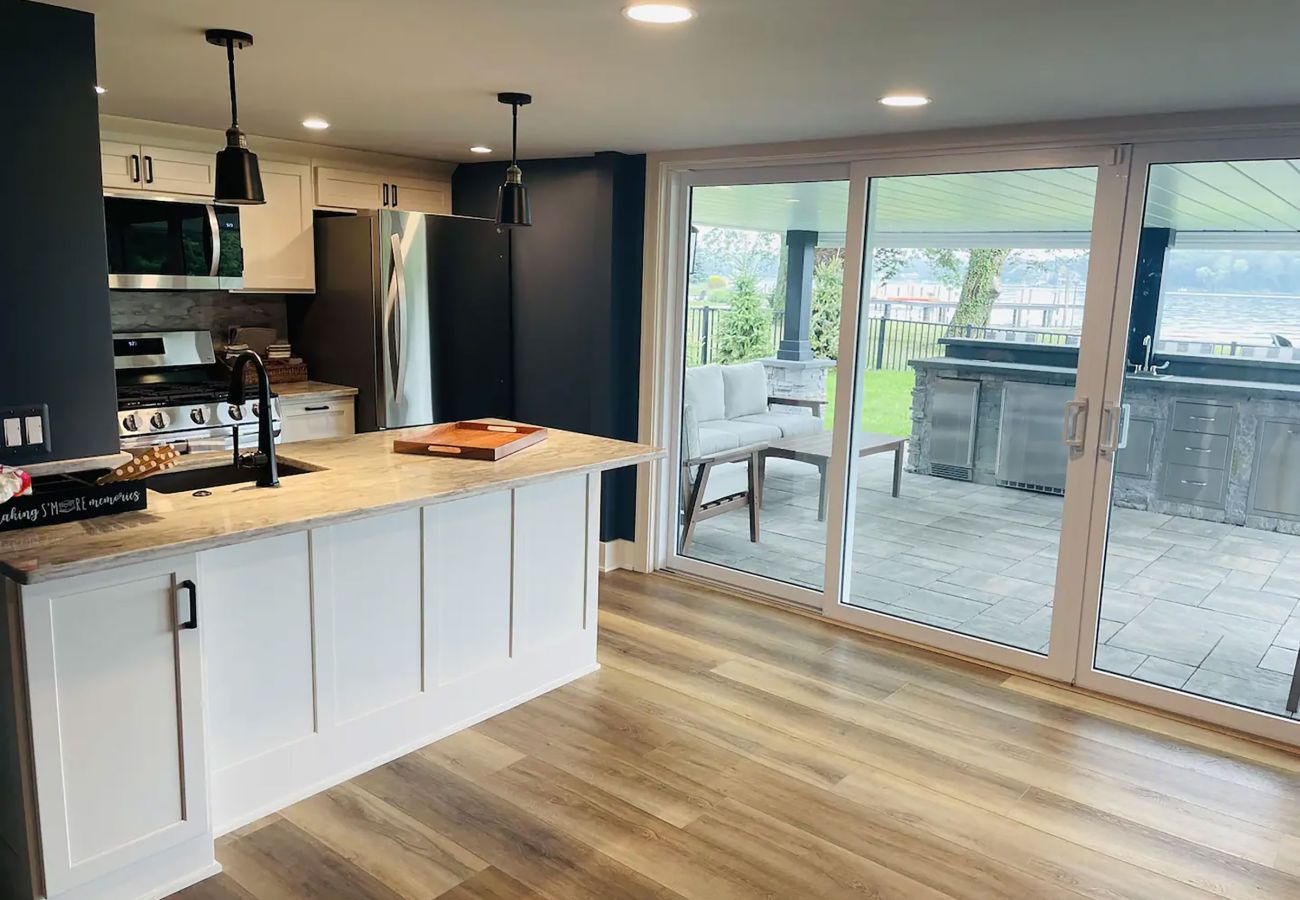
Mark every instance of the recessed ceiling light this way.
pixel 315 123
pixel 904 100
pixel 479 148
pixel 100 90
pixel 659 13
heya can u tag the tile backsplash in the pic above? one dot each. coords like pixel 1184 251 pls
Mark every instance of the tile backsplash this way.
pixel 216 311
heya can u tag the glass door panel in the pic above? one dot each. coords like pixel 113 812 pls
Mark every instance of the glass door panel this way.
pixel 765 271
pixel 967 420
pixel 1202 560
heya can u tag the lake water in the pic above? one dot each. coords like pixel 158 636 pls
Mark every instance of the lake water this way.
pixel 1223 318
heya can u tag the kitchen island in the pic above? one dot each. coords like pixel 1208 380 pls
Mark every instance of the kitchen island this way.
pixel 178 672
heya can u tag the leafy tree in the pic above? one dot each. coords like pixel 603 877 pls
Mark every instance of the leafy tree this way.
pixel 745 332
pixel 827 297
pixel 980 286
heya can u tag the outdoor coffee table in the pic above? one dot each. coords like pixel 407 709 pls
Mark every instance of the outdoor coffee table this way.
pixel 815 449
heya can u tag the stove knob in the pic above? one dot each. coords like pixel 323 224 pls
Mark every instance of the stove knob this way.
pixel 129 423
pixel 236 413
pixel 257 410
pixel 160 420
pixel 198 415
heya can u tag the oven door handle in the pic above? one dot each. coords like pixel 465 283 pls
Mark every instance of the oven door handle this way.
pixel 215 227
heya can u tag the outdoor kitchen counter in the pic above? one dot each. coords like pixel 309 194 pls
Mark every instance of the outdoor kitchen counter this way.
pixel 360 476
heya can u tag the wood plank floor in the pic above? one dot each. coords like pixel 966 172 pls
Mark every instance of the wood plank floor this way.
pixel 729 750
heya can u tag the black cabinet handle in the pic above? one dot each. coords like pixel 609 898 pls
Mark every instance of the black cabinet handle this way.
pixel 135 167
pixel 193 591
pixel 394 195
pixel 385 193
pixel 148 170
pixel 315 408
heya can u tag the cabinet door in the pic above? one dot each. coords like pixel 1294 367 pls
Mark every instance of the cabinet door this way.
pixel 120 165
pixel 179 171
pixel 348 189
pixel 277 235
pixel 116 718
pixel 1276 489
pixel 418 195
pixel 316 419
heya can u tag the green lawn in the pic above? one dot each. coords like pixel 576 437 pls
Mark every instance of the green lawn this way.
pixel 886 401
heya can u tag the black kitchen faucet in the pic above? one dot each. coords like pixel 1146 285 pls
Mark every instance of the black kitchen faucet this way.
pixel 268 474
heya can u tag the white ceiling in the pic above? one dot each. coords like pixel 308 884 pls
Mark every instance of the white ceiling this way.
pixel 1045 207
pixel 419 76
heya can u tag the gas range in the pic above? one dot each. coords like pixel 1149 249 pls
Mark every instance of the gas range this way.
pixel 171 390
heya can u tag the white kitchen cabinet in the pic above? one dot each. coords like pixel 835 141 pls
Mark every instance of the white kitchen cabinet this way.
pixel 158 170
pixel 120 165
pixel 279 255
pixel 349 189
pixel 309 419
pixel 420 195
pixel 354 189
pixel 116 719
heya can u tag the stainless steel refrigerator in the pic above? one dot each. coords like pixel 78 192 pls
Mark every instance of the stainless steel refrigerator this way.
pixel 372 322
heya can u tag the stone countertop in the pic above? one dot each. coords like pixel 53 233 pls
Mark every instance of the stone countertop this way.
pixel 314 390
pixel 359 476
pixel 1203 386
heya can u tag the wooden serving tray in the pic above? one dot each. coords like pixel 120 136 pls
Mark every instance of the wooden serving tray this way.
pixel 472 440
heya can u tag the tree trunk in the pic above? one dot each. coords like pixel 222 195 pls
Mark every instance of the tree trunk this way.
pixel 979 288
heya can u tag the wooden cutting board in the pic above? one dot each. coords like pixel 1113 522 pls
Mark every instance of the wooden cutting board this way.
pixel 472 440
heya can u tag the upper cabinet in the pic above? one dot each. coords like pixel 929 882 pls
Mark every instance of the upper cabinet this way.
pixel 160 169
pixel 277 236
pixel 354 189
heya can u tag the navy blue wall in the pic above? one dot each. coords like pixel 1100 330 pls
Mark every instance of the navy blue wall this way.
pixel 55 334
pixel 569 331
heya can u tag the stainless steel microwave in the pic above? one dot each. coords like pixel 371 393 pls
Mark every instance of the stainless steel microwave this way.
pixel 172 245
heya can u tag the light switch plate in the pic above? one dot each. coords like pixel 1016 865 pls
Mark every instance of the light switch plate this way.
pixel 28 425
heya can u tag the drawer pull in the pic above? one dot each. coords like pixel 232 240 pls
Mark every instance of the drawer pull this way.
pixel 1199 449
pixel 315 408
pixel 1195 483
pixel 1202 418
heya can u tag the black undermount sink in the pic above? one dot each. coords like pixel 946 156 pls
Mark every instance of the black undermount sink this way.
pixel 187 480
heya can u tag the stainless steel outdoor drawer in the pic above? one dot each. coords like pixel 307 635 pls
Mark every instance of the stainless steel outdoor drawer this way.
pixel 1202 418
pixel 1186 448
pixel 1194 484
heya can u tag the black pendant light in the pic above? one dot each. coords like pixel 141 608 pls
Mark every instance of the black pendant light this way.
pixel 238 178
pixel 512 198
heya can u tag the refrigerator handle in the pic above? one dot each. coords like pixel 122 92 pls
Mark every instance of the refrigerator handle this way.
pixel 396 314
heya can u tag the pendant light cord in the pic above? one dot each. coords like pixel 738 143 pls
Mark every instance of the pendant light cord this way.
pixel 514 134
pixel 234 104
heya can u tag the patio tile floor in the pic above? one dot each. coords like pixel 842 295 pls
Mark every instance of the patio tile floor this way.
pixel 1200 606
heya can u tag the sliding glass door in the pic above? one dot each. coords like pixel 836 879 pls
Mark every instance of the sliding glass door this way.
pixel 1039 408
pixel 1198 526
pixel 981 295
pixel 758 328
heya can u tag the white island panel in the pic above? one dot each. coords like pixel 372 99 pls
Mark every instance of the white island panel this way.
pixel 375 591
pixel 467 577
pixel 551 549
pixel 258 643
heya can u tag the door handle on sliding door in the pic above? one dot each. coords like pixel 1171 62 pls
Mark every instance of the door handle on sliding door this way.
pixel 1075 425
pixel 1114 427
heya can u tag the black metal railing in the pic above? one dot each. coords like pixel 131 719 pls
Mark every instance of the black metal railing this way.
pixel 889 342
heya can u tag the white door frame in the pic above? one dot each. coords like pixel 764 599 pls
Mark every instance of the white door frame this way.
pixel 1111 163
pixel 1173 700
pixel 675 345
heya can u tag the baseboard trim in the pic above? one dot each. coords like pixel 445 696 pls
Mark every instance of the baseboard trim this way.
pixel 618 554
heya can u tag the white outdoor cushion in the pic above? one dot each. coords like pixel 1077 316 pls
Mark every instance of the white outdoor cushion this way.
pixel 745 389
pixel 790 425
pixel 715 440
pixel 704 392
pixel 745 432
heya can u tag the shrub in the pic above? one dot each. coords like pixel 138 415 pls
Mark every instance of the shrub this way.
pixel 827 293
pixel 745 332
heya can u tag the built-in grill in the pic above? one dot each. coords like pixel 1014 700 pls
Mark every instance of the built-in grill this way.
pixel 172 390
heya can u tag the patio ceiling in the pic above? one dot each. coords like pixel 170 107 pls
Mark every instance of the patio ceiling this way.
pixel 1035 208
